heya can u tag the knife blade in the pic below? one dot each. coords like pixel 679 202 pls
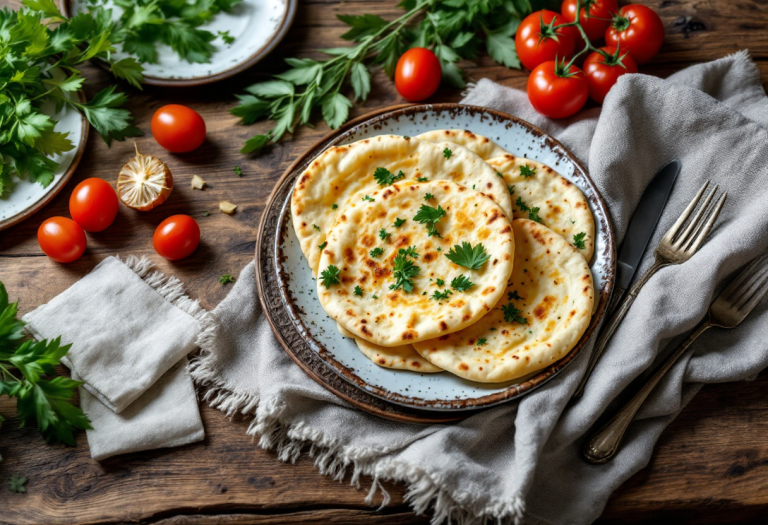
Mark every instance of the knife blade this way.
pixel 642 225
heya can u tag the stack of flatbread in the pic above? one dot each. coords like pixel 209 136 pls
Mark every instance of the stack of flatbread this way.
pixel 444 252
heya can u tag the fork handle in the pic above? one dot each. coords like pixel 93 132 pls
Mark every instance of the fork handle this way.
pixel 610 328
pixel 604 444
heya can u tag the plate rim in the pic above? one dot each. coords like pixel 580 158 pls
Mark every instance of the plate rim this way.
pixel 65 178
pixel 423 411
pixel 256 57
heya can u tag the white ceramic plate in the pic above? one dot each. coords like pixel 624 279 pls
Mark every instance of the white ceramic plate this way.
pixel 298 289
pixel 27 197
pixel 256 25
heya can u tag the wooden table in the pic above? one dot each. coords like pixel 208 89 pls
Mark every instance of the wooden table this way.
pixel 711 465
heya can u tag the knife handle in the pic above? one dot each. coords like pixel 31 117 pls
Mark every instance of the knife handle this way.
pixel 613 323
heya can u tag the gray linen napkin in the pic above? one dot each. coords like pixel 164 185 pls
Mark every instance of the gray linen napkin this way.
pixel 130 330
pixel 521 462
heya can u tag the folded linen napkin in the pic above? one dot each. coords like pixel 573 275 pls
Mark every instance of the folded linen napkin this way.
pixel 520 462
pixel 130 330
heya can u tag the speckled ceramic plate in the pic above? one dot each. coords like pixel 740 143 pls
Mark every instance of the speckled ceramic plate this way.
pixel 257 26
pixel 289 291
pixel 26 198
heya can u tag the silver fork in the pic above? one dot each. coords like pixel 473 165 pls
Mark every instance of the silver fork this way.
pixel 675 247
pixel 730 308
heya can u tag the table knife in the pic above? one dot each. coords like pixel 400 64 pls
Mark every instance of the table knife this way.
pixel 639 232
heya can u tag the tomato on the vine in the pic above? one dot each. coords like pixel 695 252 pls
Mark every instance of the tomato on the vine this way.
pixel 603 73
pixel 418 74
pixel 61 239
pixel 557 90
pixel 93 204
pixel 177 128
pixel 638 30
pixel 595 15
pixel 538 41
pixel 176 237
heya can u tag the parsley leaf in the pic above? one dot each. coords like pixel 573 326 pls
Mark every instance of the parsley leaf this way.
pixel 527 171
pixel 514 296
pixel 376 252
pixel 334 206
pixel 385 178
pixel 429 216
pixel 498 174
pixel 428 197
pixel 368 198
pixel 322 246
pixel 533 214
pixel 422 179
pixel 384 235
pixel 440 282
pixel 467 256
pixel 226 278
pixel 441 296
pixel 330 276
pixel 315 226
pixel 399 222
pixel 358 291
pixel 511 314
pixel 447 153
pixel 410 252
pixel 579 240
pixel 482 341
pixel 404 272
pixel 375 296
pixel 238 171
pixel 521 205
pixel 461 283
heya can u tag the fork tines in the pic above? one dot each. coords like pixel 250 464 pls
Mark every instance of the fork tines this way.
pixel 697 229
pixel 746 290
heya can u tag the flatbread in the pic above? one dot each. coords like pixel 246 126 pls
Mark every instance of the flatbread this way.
pixel 402 357
pixel 396 317
pixel 343 175
pixel 484 147
pixel 554 286
pixel 562 206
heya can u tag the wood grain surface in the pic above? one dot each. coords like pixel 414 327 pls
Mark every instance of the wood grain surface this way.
pixel 711 464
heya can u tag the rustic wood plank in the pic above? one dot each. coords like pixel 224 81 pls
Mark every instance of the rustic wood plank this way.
pixel 710 465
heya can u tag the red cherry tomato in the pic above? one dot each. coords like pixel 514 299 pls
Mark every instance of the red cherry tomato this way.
pixel 596 19
pixel 176 237
pixel 61 239
pixel 637 29
pixel 601 76
pixel 535 39
pixel 93 205
pixel 417 75
pixel 178 128
pixel 556 93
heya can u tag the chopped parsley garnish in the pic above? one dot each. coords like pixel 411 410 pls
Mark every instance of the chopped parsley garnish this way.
pixel 385 177
pixel 511 189
pixel 375 296
pixel 482 341
pixel 206 214
pixel 226 37
pixel 511 314
pixel 238 171
pixel 499 174
pixel 467 256
pixel 447 153
pixel 578 240
pixel 513 296
pixel 322 246
pixel 399 222
pixel 441 296
pixel 384 235
pixel 330 276
pixel 461 283
pixel 533 213
pixel 410 252
pixel 429 216
pixel 421 179
pixel 439 249
pixel 404 272
pixel 226 278
pixel 440 282
pixel 358 291
pixel 527 171
pixel 368 198
pixel 376 252
pixel 521 205
pixel 428 197
pixel 334 206
pixel 315 226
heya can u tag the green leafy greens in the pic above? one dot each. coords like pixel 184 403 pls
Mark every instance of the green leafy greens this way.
pixel 467 256
pixel 404 272
pixel 429 216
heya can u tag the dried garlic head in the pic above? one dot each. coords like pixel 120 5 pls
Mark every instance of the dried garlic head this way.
pixel 144 183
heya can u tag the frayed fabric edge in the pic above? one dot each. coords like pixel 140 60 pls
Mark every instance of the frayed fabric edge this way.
pixel 335 460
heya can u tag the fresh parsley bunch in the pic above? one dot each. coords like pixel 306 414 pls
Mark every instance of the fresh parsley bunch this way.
pixel 453 29
pixel 24 366
pixel 41 50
